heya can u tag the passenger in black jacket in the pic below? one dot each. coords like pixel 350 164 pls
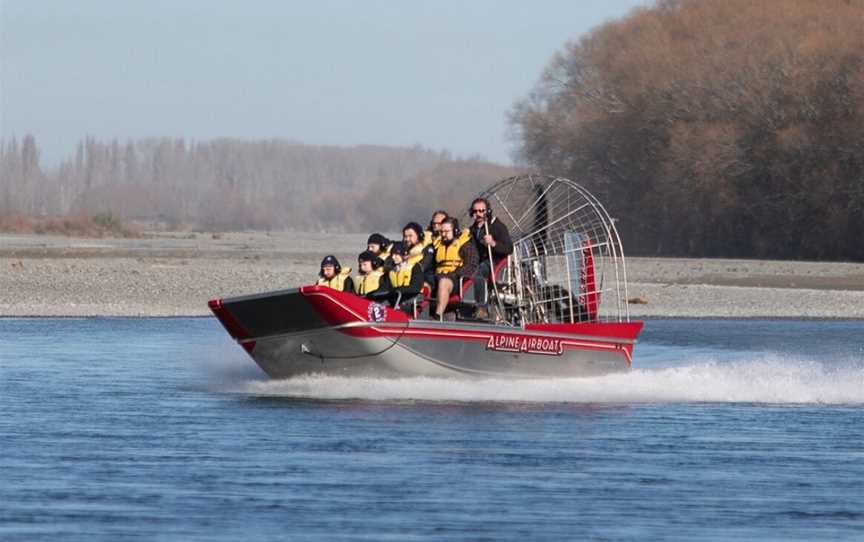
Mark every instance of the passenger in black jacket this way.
pixel 490 235
pixel 405 279
pixel 418 251
pixel 372 283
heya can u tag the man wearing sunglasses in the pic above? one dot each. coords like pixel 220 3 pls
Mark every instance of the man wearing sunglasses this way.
pixel 492 239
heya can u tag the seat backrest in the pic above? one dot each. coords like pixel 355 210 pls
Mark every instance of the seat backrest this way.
pixel 422 300
pixel 464 284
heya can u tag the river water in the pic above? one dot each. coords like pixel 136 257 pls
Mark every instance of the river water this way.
pixel 115 429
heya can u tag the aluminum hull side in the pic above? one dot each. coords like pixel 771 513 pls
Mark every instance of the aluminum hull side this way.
pixel 475 359
pixel 315 330
pixel 333 352
pixel 336 354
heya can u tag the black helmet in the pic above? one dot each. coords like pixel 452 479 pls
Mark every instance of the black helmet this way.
pixel 366 256
pixel 399 248
pixel 330 260
pixel 378 239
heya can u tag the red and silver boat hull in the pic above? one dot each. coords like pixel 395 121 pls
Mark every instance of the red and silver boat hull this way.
pixel 317 330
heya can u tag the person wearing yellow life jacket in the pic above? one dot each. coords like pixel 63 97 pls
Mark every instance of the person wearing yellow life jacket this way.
pixel 433 232
pixel 333 276
pixel 418 251
pixel 372 283
pixel 379 245
pixel 455 258
pixel 405 278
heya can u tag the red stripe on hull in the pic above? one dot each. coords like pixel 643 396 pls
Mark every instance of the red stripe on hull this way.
pixel 341 309
pixel 338 308
pixel 228 320
pixel 612 330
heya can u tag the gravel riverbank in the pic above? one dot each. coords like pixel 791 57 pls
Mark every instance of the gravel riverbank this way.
pixel 175 274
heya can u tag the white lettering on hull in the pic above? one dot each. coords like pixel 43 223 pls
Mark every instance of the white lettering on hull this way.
pixel 527 345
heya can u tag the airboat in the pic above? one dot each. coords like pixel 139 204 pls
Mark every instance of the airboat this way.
pixel 558 306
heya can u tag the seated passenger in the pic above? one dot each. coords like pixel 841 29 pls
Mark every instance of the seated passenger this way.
pixel 378 245
pixel 455 258
pixel 434 232
pixel 491 239
pixel 333 276
pixel 418 252
pixel 372 282
pixel 405 279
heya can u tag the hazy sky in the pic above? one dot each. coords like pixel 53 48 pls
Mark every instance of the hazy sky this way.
pixel 442 74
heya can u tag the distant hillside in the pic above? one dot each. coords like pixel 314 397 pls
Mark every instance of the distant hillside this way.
pixel 234 184
pixel 714 127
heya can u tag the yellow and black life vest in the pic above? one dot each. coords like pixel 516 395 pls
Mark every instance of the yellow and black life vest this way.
pixel 401 276
pixel 464 234
pixel 428 238
pixel 338 280
pixel 415 255
pixel 369 282
pixel 447 257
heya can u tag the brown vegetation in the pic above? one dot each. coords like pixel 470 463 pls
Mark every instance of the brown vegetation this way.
pixel 714 127
pixel 233 184
pixel 450 186
pixel 78 225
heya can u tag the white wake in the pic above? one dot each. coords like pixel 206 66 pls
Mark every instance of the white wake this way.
pixel 765 380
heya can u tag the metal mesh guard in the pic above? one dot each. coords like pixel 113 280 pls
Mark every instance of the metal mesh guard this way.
pixel 567 255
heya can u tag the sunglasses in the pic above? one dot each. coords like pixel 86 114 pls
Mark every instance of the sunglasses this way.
pixel 477 211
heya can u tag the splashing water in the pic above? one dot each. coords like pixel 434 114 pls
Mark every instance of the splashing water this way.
pixel 114 416
pixel 769 379
pixel 677 361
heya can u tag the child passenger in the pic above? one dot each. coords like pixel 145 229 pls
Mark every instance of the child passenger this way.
pixel 406 278
pixel 333 276
pixel 372 282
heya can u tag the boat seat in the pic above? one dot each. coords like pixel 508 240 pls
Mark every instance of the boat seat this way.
pixel 425 298
pixel 464 283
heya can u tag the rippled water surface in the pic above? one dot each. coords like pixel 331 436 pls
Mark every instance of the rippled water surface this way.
pixel 163 429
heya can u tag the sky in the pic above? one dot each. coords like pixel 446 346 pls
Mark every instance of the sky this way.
pixel 440 74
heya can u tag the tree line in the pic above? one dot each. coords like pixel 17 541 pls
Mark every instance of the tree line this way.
pixel 237 184
pixel 713 127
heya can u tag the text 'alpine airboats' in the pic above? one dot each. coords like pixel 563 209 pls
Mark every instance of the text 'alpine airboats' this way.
pixel 546 317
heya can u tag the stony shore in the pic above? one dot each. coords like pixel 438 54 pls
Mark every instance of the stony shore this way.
pixel 174 274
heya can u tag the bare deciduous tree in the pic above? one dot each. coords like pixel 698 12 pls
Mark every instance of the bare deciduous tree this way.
pixel 714 127
pixel 231 184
